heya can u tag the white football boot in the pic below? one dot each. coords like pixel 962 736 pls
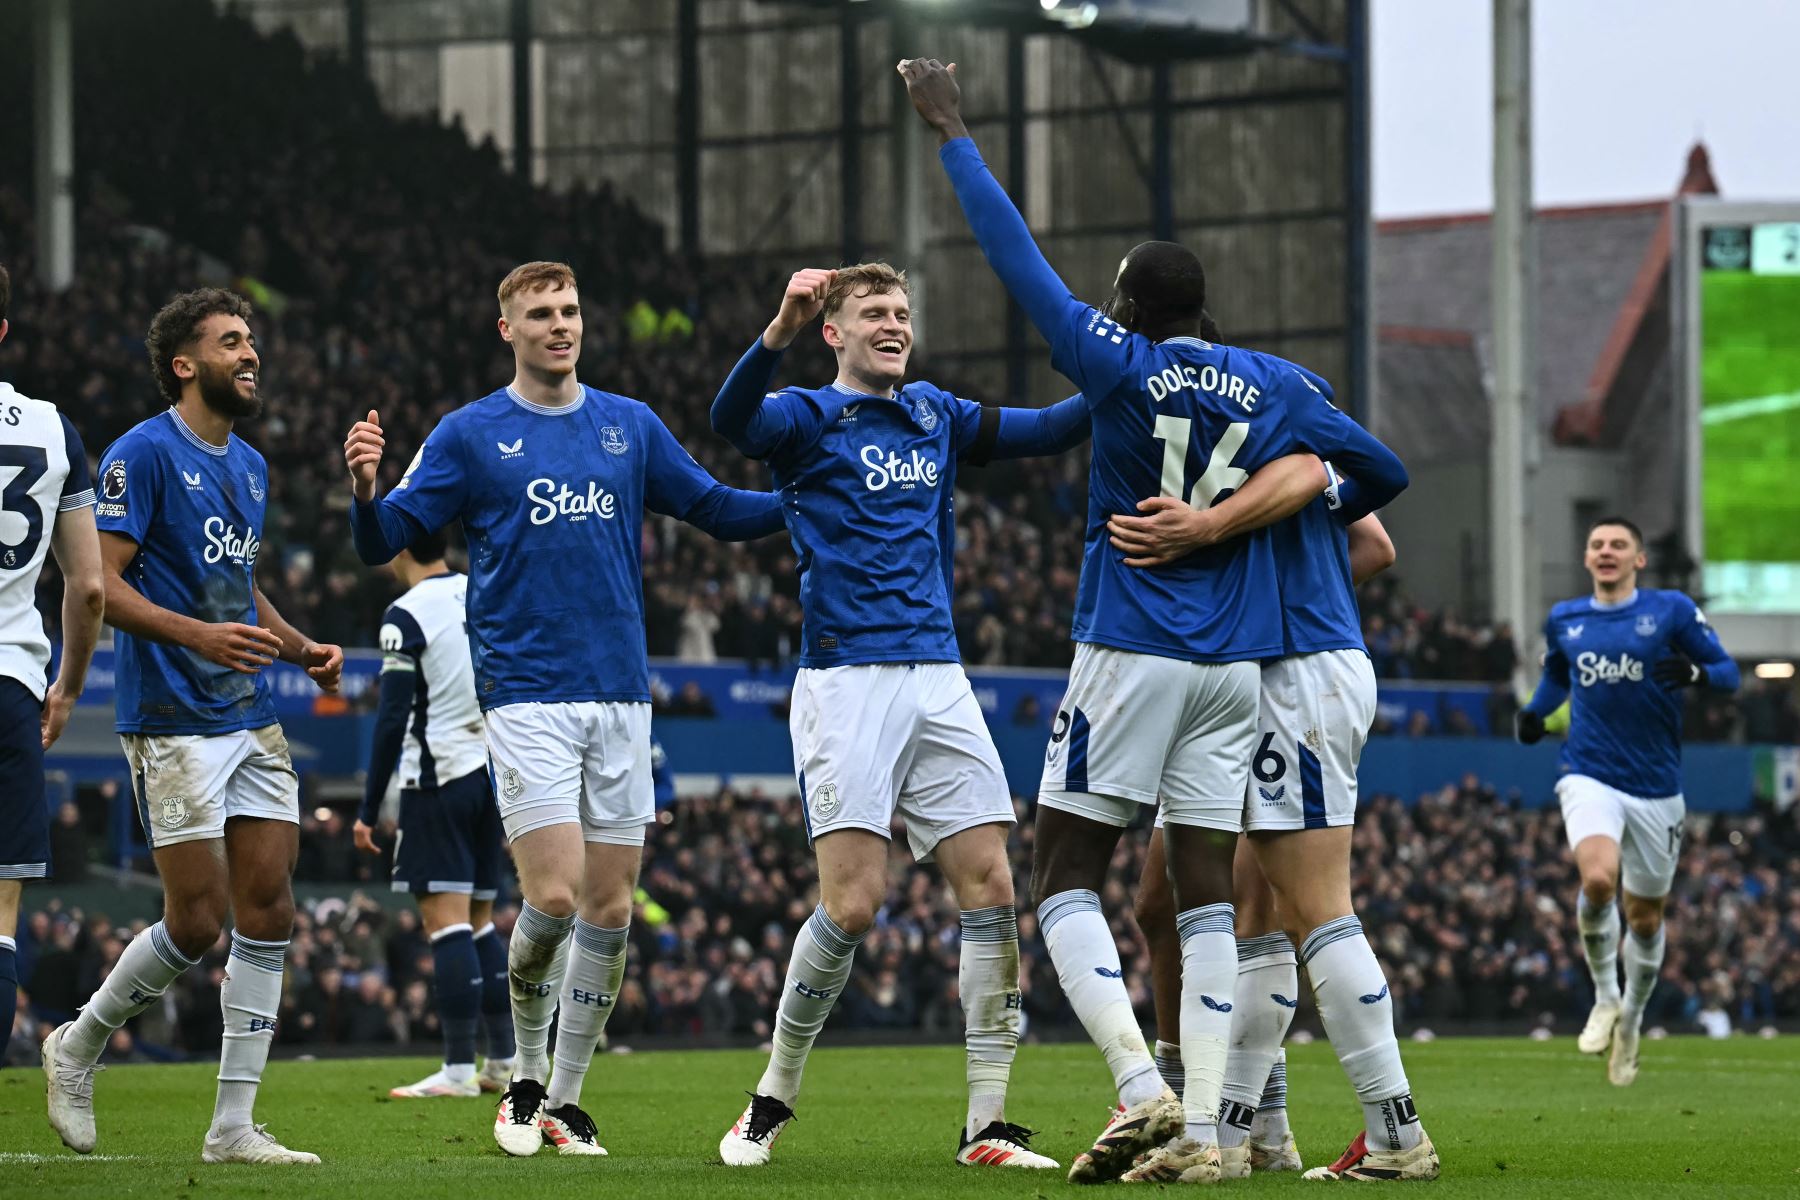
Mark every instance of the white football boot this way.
pixel 1129 1133
pixel 438 1083
pixel 1181 1161
pixel 571 1131
pixel 1597 1034
pixel 70 1092
pixel 1360 1163
pixel 748 1142
pixel 251 1144
pixel 1001 1144
pixel 1622 1067
pixel 518 1122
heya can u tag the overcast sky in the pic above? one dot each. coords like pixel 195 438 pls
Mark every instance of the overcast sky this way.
pixel 1621 89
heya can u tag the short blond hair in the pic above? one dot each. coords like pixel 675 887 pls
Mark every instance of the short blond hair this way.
pixel 534 277
pixel 864 279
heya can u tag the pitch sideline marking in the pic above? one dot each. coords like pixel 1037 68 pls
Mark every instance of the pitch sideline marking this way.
pixel 1737 410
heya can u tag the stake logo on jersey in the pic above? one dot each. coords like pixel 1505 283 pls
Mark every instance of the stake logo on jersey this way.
pixel 1624 726
pixel 43 472
pixel 555 587
pixel 868 482
pixel 196 513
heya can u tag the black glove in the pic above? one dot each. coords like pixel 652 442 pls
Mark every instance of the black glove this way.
pixel 1529 727
pixel 1678 671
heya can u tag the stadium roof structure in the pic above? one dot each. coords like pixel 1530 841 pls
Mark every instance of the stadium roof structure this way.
pixel 1137 31
pixel 1599 300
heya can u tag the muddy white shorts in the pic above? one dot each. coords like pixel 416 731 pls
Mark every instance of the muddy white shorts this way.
pixel 1134 729
pixel 1648 831
pixel 875 739
pixel 1315 716
pixel 581 763
pixel 188 785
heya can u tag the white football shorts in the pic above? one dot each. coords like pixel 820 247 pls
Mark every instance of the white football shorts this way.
pixel 1315 717
pixel 581 763
pixel 875 739
pixel 1648 831
pixel 188 785
pixel 1134 729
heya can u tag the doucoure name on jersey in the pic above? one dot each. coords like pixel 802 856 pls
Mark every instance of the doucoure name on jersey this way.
pixel 907 472
pixel 1207 378
pixel 1592 668
pixel 224 541
pixel 550 500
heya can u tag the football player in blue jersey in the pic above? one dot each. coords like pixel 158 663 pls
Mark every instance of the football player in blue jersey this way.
pixel 1292 875
pixel 551 480
pixel 1621 658
pixel 50 498
pixel 883 719
pixel 180 512
pixel 1162 699
pixel 447 846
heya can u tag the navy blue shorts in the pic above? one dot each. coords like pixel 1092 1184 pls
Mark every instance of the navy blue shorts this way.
pixel 450 839
pixel 24 817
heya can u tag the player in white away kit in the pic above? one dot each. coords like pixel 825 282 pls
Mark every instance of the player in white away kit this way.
pixel 46 504
pixel 447 849
pixel 180 513
pixel 1621 658
pixel 884 721
pixel 551 481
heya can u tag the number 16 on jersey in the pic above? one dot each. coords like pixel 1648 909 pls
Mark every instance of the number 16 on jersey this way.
pixel 1220 476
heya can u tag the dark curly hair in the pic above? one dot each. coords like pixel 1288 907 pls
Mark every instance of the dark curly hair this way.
pixel 172 330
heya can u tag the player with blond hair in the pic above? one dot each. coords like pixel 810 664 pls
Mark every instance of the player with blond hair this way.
pixel 551 480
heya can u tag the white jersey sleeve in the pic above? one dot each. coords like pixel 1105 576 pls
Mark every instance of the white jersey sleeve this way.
pixel 43 471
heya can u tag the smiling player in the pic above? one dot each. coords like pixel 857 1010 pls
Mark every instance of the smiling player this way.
pixel 551 480
pixel 1621 657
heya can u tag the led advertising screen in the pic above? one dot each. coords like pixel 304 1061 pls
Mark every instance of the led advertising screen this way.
pixel 1748 347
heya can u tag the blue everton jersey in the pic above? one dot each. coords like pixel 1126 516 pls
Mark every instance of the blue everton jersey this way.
pixel 1312 562
pixel 867 486
pixel 1624 726
pixel 553 500
pixel 1181 417
pixel 195 511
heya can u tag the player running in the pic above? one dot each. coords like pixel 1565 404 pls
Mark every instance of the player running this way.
pixel 1620 657
pixel 551 480
pixel 180 512
pixel 883 719
pixel 1318 702
pixel 1162 699
pixel 447 848
pixel 47 505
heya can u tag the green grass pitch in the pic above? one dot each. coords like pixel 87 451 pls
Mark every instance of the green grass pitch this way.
pixel 1510 1117
pixel 1749 351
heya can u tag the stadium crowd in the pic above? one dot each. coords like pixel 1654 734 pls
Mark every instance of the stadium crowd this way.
pixel 372 244
pixel 1468 897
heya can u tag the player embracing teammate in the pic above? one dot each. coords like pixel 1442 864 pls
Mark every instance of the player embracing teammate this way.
pixel 1163 699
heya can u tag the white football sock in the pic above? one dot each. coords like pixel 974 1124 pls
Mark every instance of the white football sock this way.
pixel 250 1000
pixel 1168 1065
pixel 817 972
pixel 146 968
pixel 534 968
pixel 988 980
pixel 1268 991
pixel 1600 942
pixel 1358 1015
pixel 1087 963
pixel 1209 969
pixel 1271 1123
pixel 590 985
pixel 1643 963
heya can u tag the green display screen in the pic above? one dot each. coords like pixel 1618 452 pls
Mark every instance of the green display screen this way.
pixel 1750 416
